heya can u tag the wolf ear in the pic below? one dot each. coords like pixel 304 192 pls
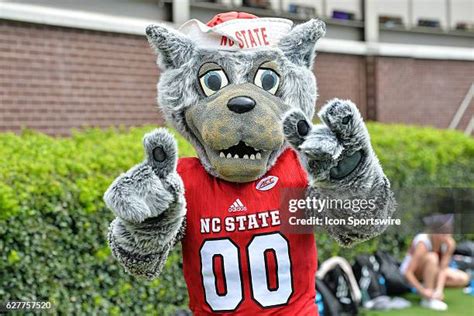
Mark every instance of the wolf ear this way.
pixel 299 45
pixel 173 48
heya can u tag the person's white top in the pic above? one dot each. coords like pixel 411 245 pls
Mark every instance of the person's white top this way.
pixel 424 238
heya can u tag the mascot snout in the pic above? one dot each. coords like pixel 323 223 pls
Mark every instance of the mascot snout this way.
pixel 237 129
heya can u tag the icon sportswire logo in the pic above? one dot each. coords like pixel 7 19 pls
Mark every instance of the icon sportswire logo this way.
pixel 237 206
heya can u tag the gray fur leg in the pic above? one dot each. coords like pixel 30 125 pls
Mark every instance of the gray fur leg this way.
pixel 342 165
pixel 149 203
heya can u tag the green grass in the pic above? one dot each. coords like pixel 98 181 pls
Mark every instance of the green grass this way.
pixel 458 302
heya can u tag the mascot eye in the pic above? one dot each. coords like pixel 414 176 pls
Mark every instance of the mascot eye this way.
pixel 268 80
pixel 213 81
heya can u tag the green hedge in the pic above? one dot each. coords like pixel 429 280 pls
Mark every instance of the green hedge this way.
pixel 53 222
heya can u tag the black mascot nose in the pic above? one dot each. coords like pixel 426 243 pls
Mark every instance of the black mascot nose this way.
pixel 241 104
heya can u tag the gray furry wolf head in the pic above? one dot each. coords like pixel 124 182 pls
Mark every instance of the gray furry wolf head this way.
pixel 229 104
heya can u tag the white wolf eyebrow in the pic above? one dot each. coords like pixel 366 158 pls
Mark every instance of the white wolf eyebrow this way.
pixel 206 67
pixel 271 64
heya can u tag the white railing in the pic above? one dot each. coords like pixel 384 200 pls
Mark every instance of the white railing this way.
pixel 461 110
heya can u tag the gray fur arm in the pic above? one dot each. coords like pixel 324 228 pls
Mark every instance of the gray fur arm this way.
pixel 149 203
pixel 342 166
pixel 143 249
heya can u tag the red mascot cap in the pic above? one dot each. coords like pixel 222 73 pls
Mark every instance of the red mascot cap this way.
pixel 235 31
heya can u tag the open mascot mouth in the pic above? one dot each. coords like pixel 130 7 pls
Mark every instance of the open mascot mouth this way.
pixel 239 163
pixel 241 151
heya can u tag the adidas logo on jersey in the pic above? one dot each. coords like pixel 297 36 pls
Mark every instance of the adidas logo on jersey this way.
pixel 237 206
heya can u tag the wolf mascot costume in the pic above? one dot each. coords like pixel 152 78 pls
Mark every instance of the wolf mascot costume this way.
pixel 241 90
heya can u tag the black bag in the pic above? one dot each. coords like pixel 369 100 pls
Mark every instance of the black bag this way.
pixel 327 303
pixel 367 273
pixel 338 283
pixel 464 263
pixel 395 282
pixel 466 248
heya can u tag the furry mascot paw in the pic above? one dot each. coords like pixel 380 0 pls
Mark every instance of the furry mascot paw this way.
pixel 148 197
pixel 342 165
pixel 150 188
pixel 336 147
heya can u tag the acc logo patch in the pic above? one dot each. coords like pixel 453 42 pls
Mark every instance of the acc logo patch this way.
pixel 267 183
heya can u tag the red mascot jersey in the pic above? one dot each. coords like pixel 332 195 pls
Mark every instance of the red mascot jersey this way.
pixel 236 260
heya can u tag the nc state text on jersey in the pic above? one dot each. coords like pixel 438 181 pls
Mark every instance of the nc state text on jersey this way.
pixel 240 222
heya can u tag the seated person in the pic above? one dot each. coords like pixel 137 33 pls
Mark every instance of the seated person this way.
pixel 427 261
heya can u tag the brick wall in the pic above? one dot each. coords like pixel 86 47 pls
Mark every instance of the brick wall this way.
pixel 424 92
pixel 342 76
pixel 53 79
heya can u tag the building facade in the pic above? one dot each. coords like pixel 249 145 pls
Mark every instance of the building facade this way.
pixel 63 68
